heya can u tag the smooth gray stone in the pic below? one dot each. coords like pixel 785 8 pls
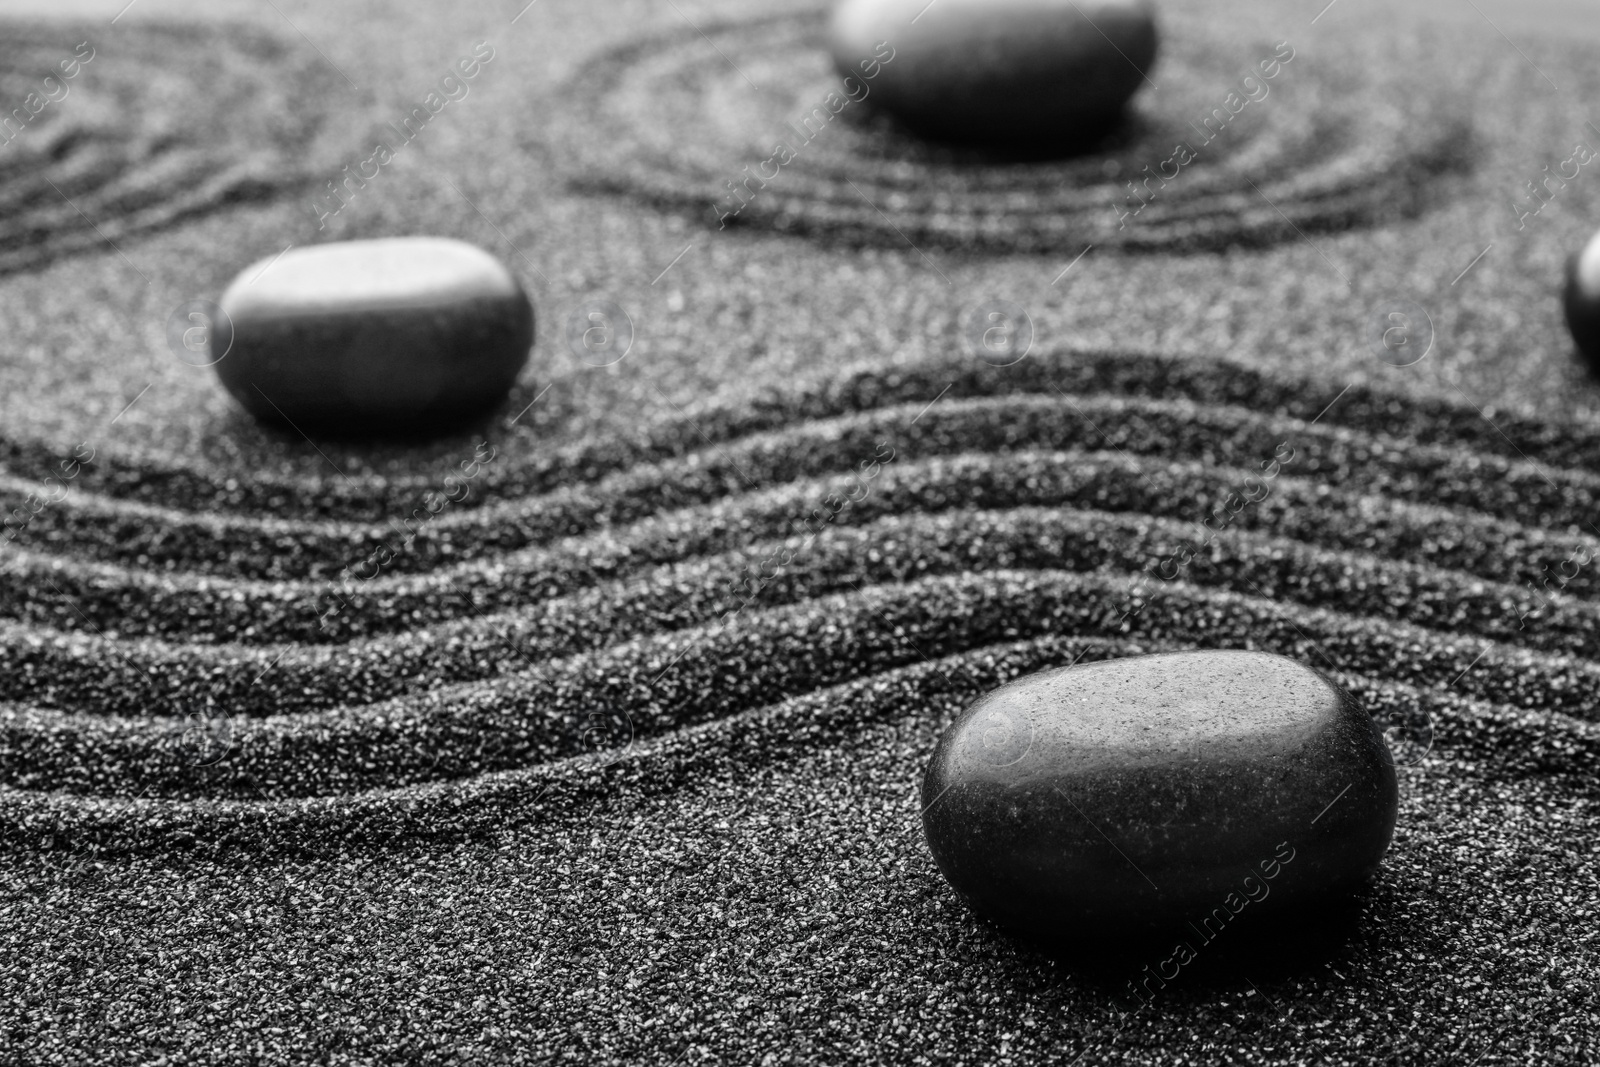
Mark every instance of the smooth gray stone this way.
pixel 1122 797
pixel 1009 71
pixel 407 336
pixel 1581 301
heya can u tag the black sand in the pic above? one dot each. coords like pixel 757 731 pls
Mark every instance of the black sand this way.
pixel 557 782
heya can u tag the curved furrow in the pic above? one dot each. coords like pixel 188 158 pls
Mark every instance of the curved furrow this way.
pixel 660 126
pixel 208 611
pixel 103 676
pixel 1225 436
pixel 656 684
pixel 530 467
pixel 1478 737
pixel 148 142
pixel 838 541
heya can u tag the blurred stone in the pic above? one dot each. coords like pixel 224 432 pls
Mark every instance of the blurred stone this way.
pixel 1582 301
pixel 402 336
pixel 1123 797
pixel 1008 71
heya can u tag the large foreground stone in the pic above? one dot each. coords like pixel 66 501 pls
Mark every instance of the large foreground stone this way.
pixel 1112 798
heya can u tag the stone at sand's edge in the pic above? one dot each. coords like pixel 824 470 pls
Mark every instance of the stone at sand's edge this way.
pixel 1581 301
pixel 1032 72
pixel 407 336
pixel 1123 797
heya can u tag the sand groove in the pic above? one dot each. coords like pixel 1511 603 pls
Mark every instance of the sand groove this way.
pixel 668 124
pixel 666 597
pixel 134 142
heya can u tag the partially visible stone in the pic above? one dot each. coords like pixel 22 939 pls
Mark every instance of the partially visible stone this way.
pixel 1124 797
pixel 1581 300
pixel 1011 71
pixel 408 336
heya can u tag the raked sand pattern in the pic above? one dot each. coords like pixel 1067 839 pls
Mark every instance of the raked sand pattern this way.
pixel 616 759
pixel 827 556
pixel 167 123
pixel 1228 145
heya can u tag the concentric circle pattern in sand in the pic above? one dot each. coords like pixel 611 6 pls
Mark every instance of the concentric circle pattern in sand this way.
pixel 138 140
pixel 763 575
pixel 751 139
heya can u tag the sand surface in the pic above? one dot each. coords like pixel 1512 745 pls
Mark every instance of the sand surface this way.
pixel 617 758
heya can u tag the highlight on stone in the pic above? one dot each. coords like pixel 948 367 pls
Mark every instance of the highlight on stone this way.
pixel 1034 72
pixel 1581 301
pixel 398 336
pixel 1120 797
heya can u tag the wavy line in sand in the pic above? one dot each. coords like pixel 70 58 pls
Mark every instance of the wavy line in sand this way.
pixel 986 536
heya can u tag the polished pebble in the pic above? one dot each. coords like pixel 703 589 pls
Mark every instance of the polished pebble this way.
pixel 1581 301
pixel 402 336
pixel 1030 72
pixel 1126 796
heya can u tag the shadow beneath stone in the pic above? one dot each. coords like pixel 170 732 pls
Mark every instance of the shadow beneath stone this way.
pixel 428 435
pixel 1113 135
pixel 1255 948
pixel 281 454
